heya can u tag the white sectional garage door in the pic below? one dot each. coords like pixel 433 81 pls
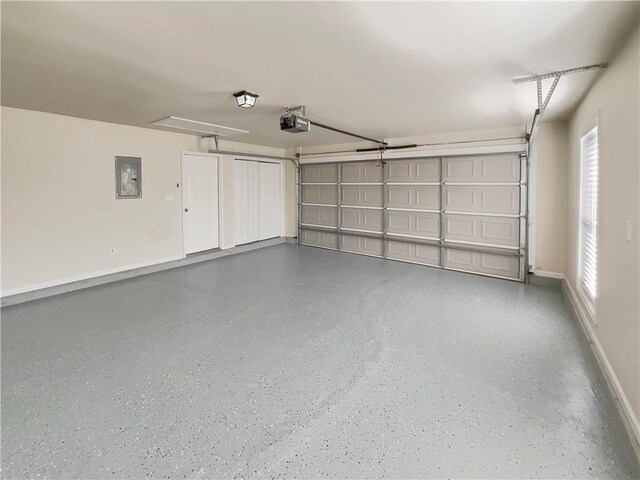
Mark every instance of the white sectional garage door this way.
pixel 462 213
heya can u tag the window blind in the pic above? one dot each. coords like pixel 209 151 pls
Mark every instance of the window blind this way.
pixel 588 256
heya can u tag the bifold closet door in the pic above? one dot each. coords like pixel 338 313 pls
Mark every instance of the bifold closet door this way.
pixel 241 201
pixel 253 190
pixel 246 199
pixel 257 201
pixel 270 213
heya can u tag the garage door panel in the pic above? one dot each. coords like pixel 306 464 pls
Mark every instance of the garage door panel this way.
pixel 314 215
pixel 489 168
pixel 414 171
pixel 502 199
pixel 323 194
pixel 481 195
pixel 319 239
pixel 425 197
pixel 366 245
pixel 362 195
pixel 478 229
pixel 413 252
pixel 319 173
pixel 420 224
pixel 369 172
pixel 361 219
pixel 481 262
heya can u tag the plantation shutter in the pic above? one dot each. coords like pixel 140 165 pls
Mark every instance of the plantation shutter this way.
pixel 589 214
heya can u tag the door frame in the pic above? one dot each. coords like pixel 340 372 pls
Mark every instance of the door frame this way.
pixel 220 196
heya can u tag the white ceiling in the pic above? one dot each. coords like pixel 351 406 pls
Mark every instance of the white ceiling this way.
pixel 380 69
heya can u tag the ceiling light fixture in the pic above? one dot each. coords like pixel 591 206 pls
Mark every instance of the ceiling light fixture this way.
pixel 246 99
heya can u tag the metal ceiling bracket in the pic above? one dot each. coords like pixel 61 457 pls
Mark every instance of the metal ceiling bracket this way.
pixel 542 104
pixel 535 78
pixel 539 83
pixel 215 138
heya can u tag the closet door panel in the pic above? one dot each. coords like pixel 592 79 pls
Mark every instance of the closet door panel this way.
pixel 241 202
pixel 277 199
pixel 253 187
pixel 269 200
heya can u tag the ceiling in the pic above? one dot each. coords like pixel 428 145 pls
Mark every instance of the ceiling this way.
pixel 384 70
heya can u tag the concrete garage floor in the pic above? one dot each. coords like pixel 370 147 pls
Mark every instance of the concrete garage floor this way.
pixel 294 361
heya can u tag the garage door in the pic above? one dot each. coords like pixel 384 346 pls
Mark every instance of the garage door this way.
pixel 463 213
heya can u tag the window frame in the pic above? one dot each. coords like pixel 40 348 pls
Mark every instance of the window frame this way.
pixel 588 299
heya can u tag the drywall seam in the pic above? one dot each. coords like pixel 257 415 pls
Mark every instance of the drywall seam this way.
pixel 50 289
pixel 626 412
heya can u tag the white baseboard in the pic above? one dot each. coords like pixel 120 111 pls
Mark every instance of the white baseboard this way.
pixel 48 289
pixel 544 273
pixel 546 279
pixel 87 276
pixel 624 406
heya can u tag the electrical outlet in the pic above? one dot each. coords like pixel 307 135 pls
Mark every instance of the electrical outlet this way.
pixel 112 250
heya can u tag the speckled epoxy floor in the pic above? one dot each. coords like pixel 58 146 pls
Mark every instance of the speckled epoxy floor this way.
pixel 300 362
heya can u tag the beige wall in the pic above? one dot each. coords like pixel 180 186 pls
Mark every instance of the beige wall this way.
pixel 507 136
pixel 614 102
pixel 59 212
pixel 548 209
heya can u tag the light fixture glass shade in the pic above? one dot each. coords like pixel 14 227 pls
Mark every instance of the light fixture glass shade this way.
pixel 245 99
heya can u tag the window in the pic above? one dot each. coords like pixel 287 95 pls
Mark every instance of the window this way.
pixel 588 246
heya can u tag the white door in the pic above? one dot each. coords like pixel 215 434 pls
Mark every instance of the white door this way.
pixel 199 202
pixel 257 201
pixel 269 200
pixel 241 201
pixel 254 207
